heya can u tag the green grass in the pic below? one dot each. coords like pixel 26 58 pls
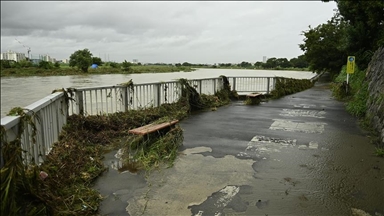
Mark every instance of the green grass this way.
pixel 357 95
pixel 379 152
pixel 65 70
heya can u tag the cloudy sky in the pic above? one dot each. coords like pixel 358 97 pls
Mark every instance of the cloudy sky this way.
pixel 169 32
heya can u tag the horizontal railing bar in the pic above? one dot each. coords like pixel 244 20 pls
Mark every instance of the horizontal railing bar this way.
pixel 9 122
pixel 135 84
pixel 44 102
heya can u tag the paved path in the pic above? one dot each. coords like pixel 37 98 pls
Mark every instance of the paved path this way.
pixel 299 155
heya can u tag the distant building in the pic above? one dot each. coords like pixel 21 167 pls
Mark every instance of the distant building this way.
pixel 48 58
pixel 11 55
pixel 265 59
pixel 65 61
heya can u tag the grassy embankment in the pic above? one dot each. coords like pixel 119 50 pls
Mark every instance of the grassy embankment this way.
pixel 355 99
pixel 66 70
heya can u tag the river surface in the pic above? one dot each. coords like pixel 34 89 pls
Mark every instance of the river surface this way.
pixel 22 91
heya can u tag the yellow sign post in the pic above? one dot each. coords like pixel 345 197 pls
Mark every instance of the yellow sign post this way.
pixel 350 66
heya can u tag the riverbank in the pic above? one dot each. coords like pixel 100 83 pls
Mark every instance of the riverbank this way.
pixel 65 71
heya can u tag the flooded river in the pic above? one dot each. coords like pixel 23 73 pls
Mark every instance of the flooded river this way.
pixel 22 91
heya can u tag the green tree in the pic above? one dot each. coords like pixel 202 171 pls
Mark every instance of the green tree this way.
pixel 57 65
pixel 271 63
pixel 81 59
pixel 186 64
pixel 126 65
pixel 97 60
pixel 299 62
pixel 5 64
pixel 45 65
pixel 114 65
pixel 283 63
pixel 259 64
pixel 25 63
pixel 324 46
pixel 365 27
pixel 245 64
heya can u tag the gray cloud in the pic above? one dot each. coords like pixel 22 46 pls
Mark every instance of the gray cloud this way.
pixel 201 32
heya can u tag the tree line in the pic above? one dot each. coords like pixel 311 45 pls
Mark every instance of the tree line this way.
pixel 356 29
pixel 83 59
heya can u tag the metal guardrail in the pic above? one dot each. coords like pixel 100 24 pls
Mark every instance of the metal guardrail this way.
pixel 253 84
pixel 50 113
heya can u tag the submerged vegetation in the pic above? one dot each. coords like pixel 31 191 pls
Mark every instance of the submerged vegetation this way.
pixel 61 185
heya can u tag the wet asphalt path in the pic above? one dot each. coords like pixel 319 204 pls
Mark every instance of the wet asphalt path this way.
pixel 298 155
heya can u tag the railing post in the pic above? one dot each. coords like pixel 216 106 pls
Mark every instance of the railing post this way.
pixel 200 86
pixel 79 103
pixel 214 86
pixel 268 81
pixel 157 94
pixel 234 84
pixel 124 92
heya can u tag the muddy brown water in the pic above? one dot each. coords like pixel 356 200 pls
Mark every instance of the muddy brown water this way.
pixel 298 155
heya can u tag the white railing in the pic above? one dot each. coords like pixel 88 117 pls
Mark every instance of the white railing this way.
pixel 119 98
pixel 50 113
pixel 253 84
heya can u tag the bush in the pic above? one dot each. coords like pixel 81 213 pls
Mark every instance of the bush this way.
pixel 45 65
pixel 114 65
pixel 5 64
pixel 357 94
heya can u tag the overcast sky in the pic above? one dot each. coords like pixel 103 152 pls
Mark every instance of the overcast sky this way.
pixel 169 32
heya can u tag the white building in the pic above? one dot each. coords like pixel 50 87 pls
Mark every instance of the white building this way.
pixel 11 55
pixel 265 59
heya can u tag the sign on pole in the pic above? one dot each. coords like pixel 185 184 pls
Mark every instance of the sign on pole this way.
pixel 351 65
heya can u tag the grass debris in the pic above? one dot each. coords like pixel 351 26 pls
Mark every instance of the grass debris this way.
pixel 62 184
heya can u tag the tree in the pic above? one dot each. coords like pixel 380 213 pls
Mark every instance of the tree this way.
pixel 114 65
pixel 259 64
pixel 5 64
pixel 245 64
pixel 45 65
pixel 81 59
pixel 25 63
pixel 365 27
pixel 126 65
pixel 271 63
pixel 324 46
pixel 97 60
pixel 283 63
pixel 56 65
pixel 299 62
